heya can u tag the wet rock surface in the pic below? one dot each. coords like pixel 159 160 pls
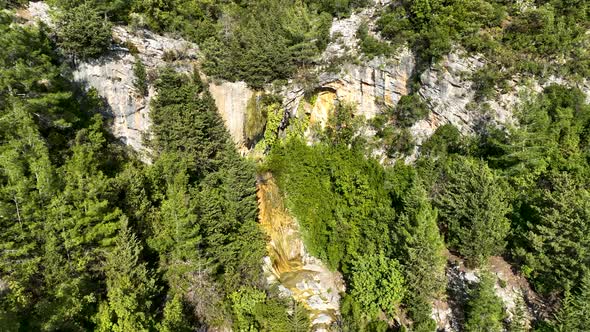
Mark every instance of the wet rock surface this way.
pixel 301 276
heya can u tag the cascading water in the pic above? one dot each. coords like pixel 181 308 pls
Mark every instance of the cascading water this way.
pixel 299 274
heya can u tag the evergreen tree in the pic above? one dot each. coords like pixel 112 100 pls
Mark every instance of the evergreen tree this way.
pixel 81 226
pixel 130 288
pixel 27 184
pixel 83 33
pixel 184 119
pixel 174 319
pixel 485 312
pixel 140 82
pixel 378 285
pixel 553 242
pixel 422 245
pixel 519 319
pixel 574 314
pixel 473 204
pixel 422 254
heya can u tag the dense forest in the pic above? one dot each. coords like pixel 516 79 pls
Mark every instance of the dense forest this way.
pixel 96 238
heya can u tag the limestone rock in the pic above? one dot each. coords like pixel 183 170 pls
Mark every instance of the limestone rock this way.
pixel 380 82
pixel 447 88
pixel 231 100
pixel 112 76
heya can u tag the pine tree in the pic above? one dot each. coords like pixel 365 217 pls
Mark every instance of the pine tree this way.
pixel 174 317
pixel 81 226
pixel 485 311
pixel 26 186
pixel 130 288
pixel 299 318
pixel 83 33
pixel 422 250
pixel 555 224
pixel 472 201
pixel 422 244
pixel 574 314
pixel 140 82
pixel 519 320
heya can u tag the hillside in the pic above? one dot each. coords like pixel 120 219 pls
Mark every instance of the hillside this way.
pixel 295 165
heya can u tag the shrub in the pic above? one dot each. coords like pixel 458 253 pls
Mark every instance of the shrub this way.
pixel 140 82
pixel 409 110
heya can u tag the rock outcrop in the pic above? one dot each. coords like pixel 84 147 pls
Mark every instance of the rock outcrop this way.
pixel 379 82
pixel 449 90
pixel 231 100
pixel 301 276
pixel 112 75
pixel 509 287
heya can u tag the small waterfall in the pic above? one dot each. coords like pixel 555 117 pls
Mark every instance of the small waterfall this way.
pixel 299 274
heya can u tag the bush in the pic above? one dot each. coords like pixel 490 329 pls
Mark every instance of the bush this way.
pixel 370 45
pixel 409 110
pixel 377 284
pixel 140 82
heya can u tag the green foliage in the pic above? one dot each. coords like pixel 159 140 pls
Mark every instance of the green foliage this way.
pixel 260 48
pixel 554 239
pixel 174 319
pixel 377 284
pixel 473 204
pixel 409 110
pixel 130 288
pixel 574 314
pixel 445 140
pixel 274 117
pixel 546 160
pixel 336 195
pixel 184 120
pixel 86 225
pixel 519 319
pixel 83 33
pixel 370 45
pixel 338 8
pixel 140 82
pixel 484 309
pixel 422 251
pixel 514 39
pixel 254 311
pixel 343 127
pixel 393 125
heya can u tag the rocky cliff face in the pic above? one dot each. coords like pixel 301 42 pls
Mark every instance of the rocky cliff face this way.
pixel 231 100
pixel 112 75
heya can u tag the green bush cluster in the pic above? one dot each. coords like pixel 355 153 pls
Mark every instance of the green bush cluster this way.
pixel 514 39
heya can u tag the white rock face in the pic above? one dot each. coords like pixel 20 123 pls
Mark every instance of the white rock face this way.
pixel 40 11
pixel 231 100
pixel 370 86
pixel 112 76
pixel 447 88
